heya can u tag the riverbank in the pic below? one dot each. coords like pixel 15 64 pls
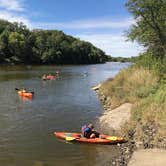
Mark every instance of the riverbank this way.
pixel 134 105
pixel 148 157
pixel 116 118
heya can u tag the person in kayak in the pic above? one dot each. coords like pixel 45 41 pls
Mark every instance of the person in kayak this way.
pixel 89 132
pixel 23 90
pixel 44 77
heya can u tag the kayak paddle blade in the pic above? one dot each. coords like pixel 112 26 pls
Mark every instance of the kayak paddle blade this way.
pixel 112 138
pixel 70 138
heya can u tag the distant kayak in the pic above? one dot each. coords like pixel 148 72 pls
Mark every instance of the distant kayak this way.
pixel 25 94
pixel 77 137
pixel 49 77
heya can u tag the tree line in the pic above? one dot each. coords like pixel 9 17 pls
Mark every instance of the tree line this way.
pixel 122 59
pixel 19 45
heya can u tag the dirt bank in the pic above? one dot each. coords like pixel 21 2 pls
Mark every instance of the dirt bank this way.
pixel 148 157
pixel 116 118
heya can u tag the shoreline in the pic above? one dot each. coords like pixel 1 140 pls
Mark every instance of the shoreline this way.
pixel 129 152
pixel 113 119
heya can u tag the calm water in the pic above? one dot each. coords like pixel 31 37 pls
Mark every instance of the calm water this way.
pixel 64 104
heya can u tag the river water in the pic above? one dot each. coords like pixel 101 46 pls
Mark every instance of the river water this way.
pixel 63 104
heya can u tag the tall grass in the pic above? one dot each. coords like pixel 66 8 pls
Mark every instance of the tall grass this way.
pixel 130 85
pixel 151 62
pixel 151 109
pixel 145 87
pixel 154 106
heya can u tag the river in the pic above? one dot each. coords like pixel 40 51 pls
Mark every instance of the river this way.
pixel 63 104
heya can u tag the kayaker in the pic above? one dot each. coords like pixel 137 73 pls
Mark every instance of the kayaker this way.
pixel 44 77
pixel 57 72
pixel 23 90
pixel 89 132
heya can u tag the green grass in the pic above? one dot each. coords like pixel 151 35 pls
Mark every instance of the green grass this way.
pixel 151 109
pixel 130 85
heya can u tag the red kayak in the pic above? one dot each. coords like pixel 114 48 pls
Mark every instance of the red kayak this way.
pixel 25 94
pixel 77 137
pixel 49 77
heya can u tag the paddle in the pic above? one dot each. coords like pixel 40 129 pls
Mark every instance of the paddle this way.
pixel 114 138
pixel 70 138
pixel 21 89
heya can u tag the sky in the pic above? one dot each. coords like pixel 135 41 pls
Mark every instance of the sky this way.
pixel 101 22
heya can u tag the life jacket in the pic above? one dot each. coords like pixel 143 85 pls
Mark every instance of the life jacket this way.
pixel 86 131
pixel 83 128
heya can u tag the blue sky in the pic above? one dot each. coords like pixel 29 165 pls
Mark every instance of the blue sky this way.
pixel 101 22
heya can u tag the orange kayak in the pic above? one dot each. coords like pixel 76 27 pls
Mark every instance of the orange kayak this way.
pixel 25 94
pixel 77 137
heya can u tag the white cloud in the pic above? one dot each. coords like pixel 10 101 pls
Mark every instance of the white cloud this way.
pixel 13 17
pixel 87 24
pixel 13 5
pixel 12 11
pixel 113 44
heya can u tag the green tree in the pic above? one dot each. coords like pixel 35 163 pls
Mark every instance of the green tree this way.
pixel 5 25
pixel 4 45
pixel 20 45
pixel 17 45
pixel 150 26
